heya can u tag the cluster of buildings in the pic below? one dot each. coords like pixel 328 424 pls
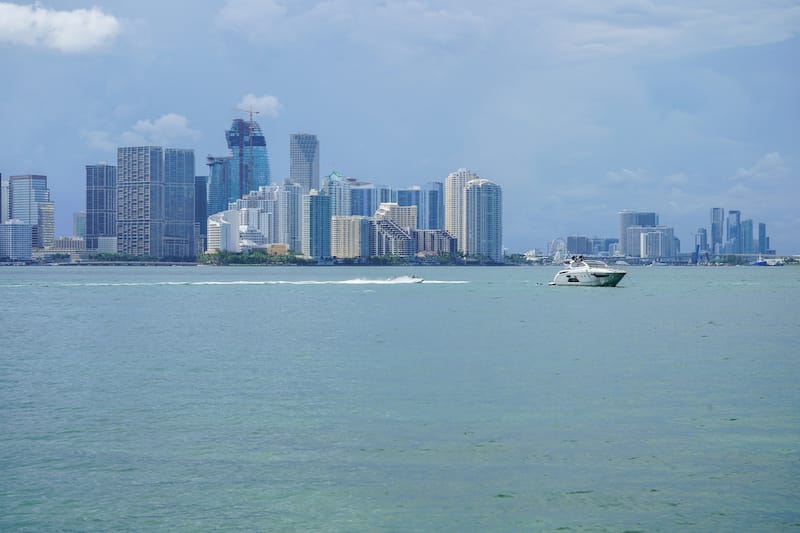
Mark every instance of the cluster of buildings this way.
pixel 642 237
pixel 151 204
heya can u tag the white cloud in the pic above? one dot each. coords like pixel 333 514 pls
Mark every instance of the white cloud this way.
pixel 770 168
pixel 167 130
pixel 627 177
pixel 76 31
pixel 266 105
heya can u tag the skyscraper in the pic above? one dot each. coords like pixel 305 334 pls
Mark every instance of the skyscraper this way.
pixel 746 236
pixel 101 203
pixel 3 199
pixel 717 225
pixel 140 200
pixel 338 188
pixel 316 225
pixel 221 187
pixel 454 214
pixel 633 218
pixel 200 213
pixel 763 240
pixel 178 203
pixel 304 160
pixel 29 202
pixel 79 224
pixel 290 216
pixel 250 163
pixel 733 244
pixel 484 220
pixel 432 206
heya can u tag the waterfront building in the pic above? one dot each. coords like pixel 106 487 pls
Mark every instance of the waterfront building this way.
pixel 746 236
pixel 250 160
pixel 350 237
pixel 290 216
pixel 403 216
pixel 717 225
pixel 304 160
pixel 412 196
pixel 29 202
pixel 627 219
pixel 179 229
pixel 140 200
pixel 316 225
pixel 365 197
pixel 3 199
pixel 106 245
pixel 222 186
pixel 79 224
pixel 432 206
pixel 337 187
pixel 454 213
pixel 259 213
pixel 701 239
pixel 763 240
pixel 483 219
pixel 658 242
pixel 579 245
pixel 16 240
pixel 223 231
pixel 389 238
pixel 431 242
pixel 200 213
pixel 101 203
pixel 733 244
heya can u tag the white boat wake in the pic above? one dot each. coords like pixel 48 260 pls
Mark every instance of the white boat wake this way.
pixel 401 280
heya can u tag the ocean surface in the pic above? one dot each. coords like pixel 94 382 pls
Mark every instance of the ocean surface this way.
pixel 336 399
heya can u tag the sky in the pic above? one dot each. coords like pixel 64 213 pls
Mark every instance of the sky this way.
pixel 576 109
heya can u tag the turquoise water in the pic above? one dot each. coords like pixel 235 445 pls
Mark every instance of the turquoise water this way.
pixel 326 399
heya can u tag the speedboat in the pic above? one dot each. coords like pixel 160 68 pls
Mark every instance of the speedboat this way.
pixel 588 273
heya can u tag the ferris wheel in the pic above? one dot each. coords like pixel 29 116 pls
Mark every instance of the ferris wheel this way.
pixel 558 250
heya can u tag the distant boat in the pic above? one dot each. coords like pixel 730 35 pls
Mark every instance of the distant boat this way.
pixel 760 262
pixel 588 273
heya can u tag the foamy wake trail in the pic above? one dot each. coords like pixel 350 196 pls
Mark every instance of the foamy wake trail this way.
pixel 403 280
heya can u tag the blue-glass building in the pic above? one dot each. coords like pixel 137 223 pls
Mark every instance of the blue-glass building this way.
pixel 250 163
pixel 304 160
pixel 178 203
pixel 317 225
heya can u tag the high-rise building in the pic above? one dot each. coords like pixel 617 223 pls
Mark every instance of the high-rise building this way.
pixel 412 196
pixel 200 213
pixel 221 187
pixel 29 202
pixel 484 220
pixel 101 203
pixel 627 219
pixel 3 199
pixel 290 216
pixel 16 240
pixel 178 237
pixel 338 188
pixel 746 236
pixel 579 245
pixel 701 239
pixel 665 245
pixel 79 224
pixel 316 225
pixel 350 237
pixel 432 206
pixel 140 200
pixel 403 216
pixel 454 213
pixel 250 162
pixel 717 225
pixel 763 240
pixel 304 160
pixel 733 244
pixel 223 231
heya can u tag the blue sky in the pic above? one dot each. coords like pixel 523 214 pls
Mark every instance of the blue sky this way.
pixel 577 109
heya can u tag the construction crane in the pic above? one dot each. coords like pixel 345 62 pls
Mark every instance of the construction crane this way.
pixel 247 179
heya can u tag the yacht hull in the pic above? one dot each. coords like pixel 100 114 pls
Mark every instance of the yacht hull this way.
pixel 588 279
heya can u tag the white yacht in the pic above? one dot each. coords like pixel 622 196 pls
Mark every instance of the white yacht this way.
pixel 588 273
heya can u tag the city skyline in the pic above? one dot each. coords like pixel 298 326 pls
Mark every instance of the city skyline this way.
pixel 578 110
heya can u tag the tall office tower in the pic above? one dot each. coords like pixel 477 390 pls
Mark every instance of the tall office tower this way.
pixel 316 225
pixel 412 196
pixel 29 202
pixel 717 225
pixel 432 205
pixel 3 199
pixel 79 224
pixel 304 160
pixel 668 245
pixel 484 220
pixel 101 203
pixel 349 237
pixel 733 245
pixel 250 164
pixel 454 213
pixel 701 239
pixel 140 200
pixel 200 213
pixel 746 236
pixel 629 218
pixel 290 216
pixel 763 241
pixel 16 240
pixel 178 236
pixel 338 188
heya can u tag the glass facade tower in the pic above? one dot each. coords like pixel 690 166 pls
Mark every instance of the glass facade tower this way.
pixel 250 161
pixel 29 202
pixel 101 203
pixel 304 160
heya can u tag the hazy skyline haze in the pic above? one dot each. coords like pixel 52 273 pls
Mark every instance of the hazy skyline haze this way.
pixel 577 110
